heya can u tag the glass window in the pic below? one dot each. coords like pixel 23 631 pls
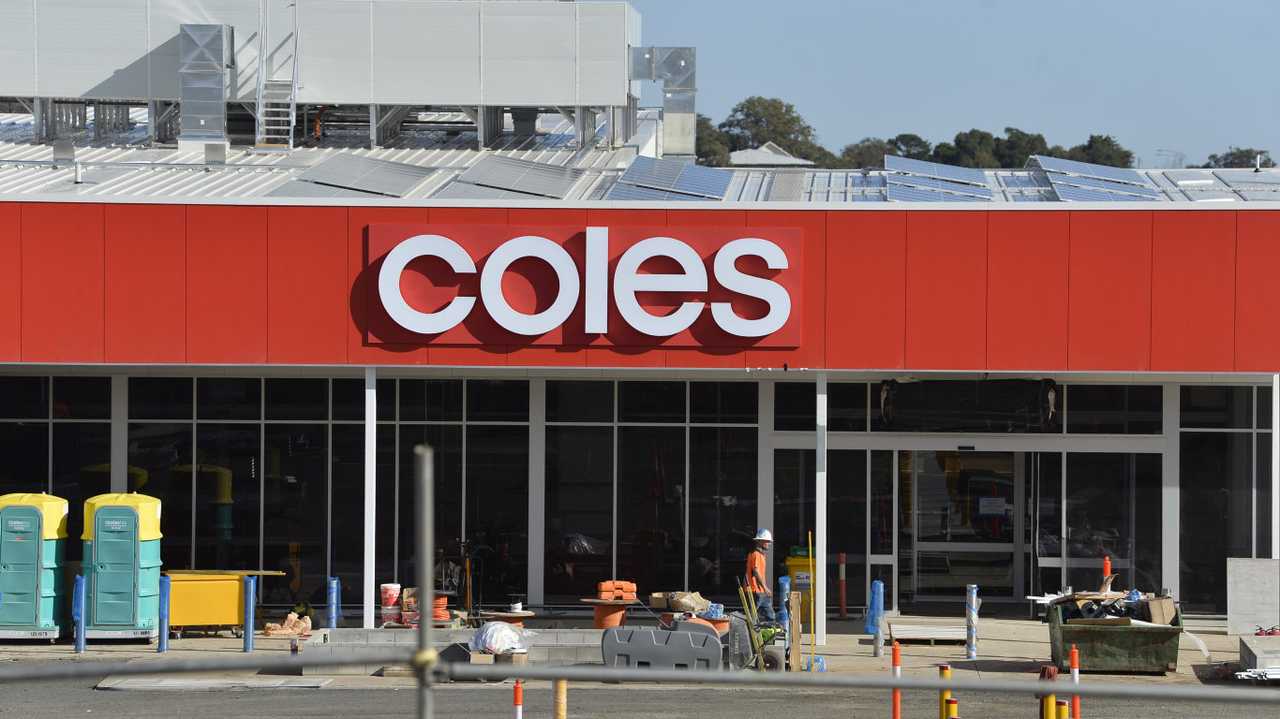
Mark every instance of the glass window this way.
pixel 1264 408
pixel 25 448
pixel 847 406
pixel 651 496
pixel 1113 510
pixel 497 488
pixel 298 399
pixel 497 400
pixel 1217 407
pixel 579 401
pixel 794 492
pixel 1215 505
pixel 24 398
pixel 579 511
pixel 160 398
pixel 348 400
pixel 964 497
pixel 227 488
pixel 1115 409
pixel 722 498
pixel 228 398
pixel 651 401
pixel 160 466
pixel 430 400
pixel 795 406
pixel 81 469
pixel 346 525
pixel 882 503
pixel 1045 471
pixel 989 406
pixel 846 525
pixel 723 402
pixel 1263 501
pixel 295 497
pixel 446 442
pixel 82 397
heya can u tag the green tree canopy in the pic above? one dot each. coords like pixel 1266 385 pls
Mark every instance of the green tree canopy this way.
pixel 1239 157
pixel 1101 150
pixel 1016 146
pixel 712 146
pixel 757 120
pixel 867 153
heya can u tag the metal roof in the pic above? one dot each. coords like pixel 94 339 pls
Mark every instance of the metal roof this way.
pixel 551 168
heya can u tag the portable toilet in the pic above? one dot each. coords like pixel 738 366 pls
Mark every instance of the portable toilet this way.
pixel 122 566
pixel 33 539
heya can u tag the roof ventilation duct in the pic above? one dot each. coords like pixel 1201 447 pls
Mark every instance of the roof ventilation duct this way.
pixel 676 69
pixel 204 54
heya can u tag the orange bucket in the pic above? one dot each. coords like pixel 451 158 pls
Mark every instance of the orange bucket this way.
pixel 608 617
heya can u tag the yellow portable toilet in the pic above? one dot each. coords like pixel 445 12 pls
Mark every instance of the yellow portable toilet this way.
pixel 122 566
pixel 33 538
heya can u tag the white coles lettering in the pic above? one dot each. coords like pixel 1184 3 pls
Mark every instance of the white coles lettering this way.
pixel 730 278
pixel 427 323
pixel 597 271
pixel 627 281
pixel 496 302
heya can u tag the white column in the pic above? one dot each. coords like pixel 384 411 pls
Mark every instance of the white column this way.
pixel 370 493
pixel 537 490
pixel 820 515
pixel 1170 498
pixel 1275 466
pixel 119 434
pixel 764 464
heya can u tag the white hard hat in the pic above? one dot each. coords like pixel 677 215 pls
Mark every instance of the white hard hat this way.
pixel 764 535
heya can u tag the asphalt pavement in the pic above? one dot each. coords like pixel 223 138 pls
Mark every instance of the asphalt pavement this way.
pixel 64 699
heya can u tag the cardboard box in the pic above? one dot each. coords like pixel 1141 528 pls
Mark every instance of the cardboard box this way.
pixel 1163 610
pixel 515 659
pixel 658 600
pixel 481 658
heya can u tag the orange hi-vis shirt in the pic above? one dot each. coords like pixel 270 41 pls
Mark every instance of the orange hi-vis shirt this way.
pixel 755 565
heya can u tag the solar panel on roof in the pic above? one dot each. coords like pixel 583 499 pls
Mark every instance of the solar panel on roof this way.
pixel 1248 178
pixel 467 191
pixel 677 176
pixel 623 191
pixel 297 188
pixel 1071 193
pixel 355 172
pixel 868 197
pixel 936 170
pixel 1087 169
pixel 1096 184
pixel 905 193
pixel 522 176
pixel 930 183
pixel 1025 179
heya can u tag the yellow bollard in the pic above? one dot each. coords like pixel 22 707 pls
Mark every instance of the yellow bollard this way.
pixel 953 708
pixel 1048 708
pixel 944 673
pixel 562 699
pixel 1064 709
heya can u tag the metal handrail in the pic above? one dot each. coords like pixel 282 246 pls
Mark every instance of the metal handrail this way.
pixel 262 71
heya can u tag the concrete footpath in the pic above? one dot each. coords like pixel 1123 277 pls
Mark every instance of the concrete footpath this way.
pixel 1008 649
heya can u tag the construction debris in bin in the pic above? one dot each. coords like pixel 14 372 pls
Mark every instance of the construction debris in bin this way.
pixel 1107 607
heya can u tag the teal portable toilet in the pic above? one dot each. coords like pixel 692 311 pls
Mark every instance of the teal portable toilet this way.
pixel 33 538
pixel 122 566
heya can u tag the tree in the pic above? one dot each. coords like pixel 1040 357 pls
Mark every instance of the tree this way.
pixel 1016 146
pixel 911 145
pixel 757 120
pixel 868 152
pixel 1101 150
pixel 712 146
pixel 1239 157
pixel 974 148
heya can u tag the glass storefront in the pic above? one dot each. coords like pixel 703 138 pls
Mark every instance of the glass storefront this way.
pixel 658 480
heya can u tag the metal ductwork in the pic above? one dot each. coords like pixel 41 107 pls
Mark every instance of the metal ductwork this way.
pixel 676 69
pixel 205 52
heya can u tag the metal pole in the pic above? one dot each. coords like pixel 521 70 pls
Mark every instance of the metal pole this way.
pixel 250 592
pixel 561 710
pixel 971 622
pixel 163 645
pixel 77 611
pixel 425 522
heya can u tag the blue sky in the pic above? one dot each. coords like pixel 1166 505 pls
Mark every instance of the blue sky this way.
pixel 1186 75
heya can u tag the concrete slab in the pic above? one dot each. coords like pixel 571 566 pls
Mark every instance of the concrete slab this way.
pixel 1259 652
pixel 209 684
pixel 1253 595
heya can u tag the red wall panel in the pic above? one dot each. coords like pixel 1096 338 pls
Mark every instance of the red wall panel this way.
pixel 811 306
pixel 226 284
pixel 1027 290
pixel 1109 295
pixel 308 299
pixel 946 290
pixel 1193 291
pixel 866 276
pixel 10 282
pixel 146 283
pixel 63 297
pixel 1257 292
pixel 359 349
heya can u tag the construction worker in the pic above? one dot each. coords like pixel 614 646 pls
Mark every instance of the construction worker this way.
pixel 758 576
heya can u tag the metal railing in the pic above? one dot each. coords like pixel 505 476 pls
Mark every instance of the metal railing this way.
pixel 429 670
